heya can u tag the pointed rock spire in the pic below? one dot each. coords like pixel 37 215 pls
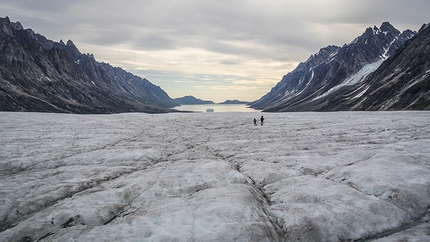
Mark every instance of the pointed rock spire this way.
pixel 73 50
pixel 386 27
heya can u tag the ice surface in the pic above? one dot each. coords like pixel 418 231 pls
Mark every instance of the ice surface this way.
pixel 215 177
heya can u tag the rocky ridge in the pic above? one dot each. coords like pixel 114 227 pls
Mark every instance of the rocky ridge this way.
pixel 336 76
pixel 37 74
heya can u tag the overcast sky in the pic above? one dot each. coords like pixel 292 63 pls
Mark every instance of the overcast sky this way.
pixel 211 49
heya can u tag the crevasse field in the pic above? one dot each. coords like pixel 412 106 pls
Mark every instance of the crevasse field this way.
pixel 215 177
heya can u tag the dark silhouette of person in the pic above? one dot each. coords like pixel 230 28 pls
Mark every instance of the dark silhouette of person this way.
pixel 255 122
pixel 262 120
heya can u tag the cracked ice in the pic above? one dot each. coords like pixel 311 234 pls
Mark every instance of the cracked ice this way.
pixel 215 177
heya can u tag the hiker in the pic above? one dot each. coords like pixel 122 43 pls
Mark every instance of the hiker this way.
pixel 255 122
pixel 262 119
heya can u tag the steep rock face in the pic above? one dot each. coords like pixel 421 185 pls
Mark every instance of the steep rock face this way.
pixel 314 84
pixel 37 74
pixel 403 81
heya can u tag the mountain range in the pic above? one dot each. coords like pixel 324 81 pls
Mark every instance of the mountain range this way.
pixel 383 69
pixel 37 74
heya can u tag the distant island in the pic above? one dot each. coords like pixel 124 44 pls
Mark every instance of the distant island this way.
pixel 190 100
pixel 234 102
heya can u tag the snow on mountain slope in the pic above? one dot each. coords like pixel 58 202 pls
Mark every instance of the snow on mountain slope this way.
pixel 327 78
pixel 214 177
pixel 402 82
pixel 354 79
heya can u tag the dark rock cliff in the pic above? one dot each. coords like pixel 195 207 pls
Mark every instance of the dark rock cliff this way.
pixel 332 75
pixel 37 74
pixel 403 81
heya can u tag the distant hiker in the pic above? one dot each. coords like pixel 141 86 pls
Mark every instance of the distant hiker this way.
pixel 262 119
pixel 255 122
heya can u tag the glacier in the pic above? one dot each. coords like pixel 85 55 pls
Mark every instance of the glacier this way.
pixel 337 176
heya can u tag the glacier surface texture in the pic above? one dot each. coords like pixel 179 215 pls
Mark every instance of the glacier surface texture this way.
pixel 215 177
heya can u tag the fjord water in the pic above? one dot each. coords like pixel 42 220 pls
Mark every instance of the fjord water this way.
pixel 218 108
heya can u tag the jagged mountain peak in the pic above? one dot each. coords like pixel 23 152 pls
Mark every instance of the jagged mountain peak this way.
pixel 323 54
pixel 385 30
pixel 387 27
pixel 331 69
pixel 424 26
pixel 73 50
pixel 70 43
pixel 17 25
pixel 402 82
pixel 38 74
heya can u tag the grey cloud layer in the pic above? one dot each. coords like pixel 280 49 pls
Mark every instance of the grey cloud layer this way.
pixel 237 27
